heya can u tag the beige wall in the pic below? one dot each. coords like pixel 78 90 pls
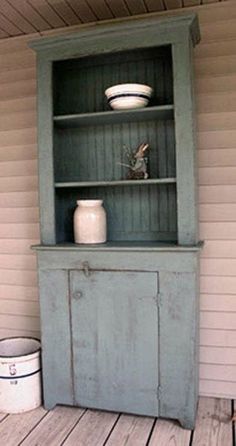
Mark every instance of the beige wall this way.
pixel 215 64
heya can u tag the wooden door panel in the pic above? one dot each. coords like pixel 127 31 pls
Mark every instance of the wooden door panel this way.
pixel 115 340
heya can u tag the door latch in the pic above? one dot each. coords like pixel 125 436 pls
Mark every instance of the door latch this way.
pixel 86 269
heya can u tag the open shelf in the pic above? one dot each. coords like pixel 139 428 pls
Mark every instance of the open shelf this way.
pixel 115 183
pixel 114 116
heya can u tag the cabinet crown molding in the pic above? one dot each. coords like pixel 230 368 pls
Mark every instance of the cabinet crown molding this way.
pixel 164 30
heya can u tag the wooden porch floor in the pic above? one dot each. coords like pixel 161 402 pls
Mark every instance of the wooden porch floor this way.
pixel 69 426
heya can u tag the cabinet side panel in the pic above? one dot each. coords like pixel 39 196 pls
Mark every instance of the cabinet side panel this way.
pixel 178 346
pixel 185 143
pixel 56 341
pixel 45 148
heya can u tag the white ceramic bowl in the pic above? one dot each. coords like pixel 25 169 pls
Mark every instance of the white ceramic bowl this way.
pixel 125 96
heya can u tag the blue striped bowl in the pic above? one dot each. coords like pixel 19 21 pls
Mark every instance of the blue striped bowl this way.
pixel 128 96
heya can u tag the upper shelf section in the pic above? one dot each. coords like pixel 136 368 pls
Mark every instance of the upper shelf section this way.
pixel 114 117
pixel 79 84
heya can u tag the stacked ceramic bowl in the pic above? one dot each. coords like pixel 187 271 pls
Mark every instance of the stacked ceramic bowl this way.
pixel 128 96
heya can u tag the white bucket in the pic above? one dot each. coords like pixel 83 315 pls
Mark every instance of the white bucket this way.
pixel 20 374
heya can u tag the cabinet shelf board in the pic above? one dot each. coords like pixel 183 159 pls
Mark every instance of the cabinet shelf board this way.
pixel 114 117
pixel 120 246
pixel 157 181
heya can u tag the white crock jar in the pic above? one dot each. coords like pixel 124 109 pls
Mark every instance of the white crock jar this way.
pixel 90 222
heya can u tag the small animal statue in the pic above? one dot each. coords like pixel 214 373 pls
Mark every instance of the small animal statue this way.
pixel 137 163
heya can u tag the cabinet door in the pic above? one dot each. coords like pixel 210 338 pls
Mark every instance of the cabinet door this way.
pixel 115 340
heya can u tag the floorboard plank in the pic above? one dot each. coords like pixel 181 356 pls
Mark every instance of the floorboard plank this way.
pixel 213 425
pixel 92 430
pixel 2 416
pixel 55 427
pixel 169 433
pixel 14 428
pixel 131 431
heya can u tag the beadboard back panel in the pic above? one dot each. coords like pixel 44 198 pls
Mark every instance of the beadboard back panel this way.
pixel 80 83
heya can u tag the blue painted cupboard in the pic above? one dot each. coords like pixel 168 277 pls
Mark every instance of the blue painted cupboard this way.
pixel 119 320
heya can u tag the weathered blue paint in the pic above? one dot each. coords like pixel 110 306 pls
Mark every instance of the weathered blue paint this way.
pixel 120 320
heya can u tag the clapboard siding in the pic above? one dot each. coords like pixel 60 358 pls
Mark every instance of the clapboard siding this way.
pixel 217 338
pixel 218 267
pixel 215 67
pixel 19 214
pixel 21 262
pixel 217 194
pixel 15 292
pixel 217 158
pixel 219 249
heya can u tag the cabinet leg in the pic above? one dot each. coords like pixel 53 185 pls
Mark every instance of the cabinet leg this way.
pixel 49 404
pixel 187 422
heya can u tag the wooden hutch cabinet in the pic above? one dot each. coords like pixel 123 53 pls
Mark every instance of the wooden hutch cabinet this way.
pixel 120 319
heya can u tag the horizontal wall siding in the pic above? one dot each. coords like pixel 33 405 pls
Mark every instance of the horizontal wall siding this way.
pixel 19 214
pixel 215 67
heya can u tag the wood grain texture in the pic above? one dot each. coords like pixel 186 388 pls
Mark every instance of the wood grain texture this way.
pixel 100 9
pixel 46 11
pixel 57 14
pixel 82 10
pixel 213 411
pixel 25 9
pixel 213 426
pixel 137 6
pixel 14 428
pixel 167 433
pixel 8 27
pixel 155 5
pixel 130 431
pixel 93 429
pixel 172 4
pixel 54 427
pixel 2 416
pixel 16 18
pixel 119 8
pixel 64 10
